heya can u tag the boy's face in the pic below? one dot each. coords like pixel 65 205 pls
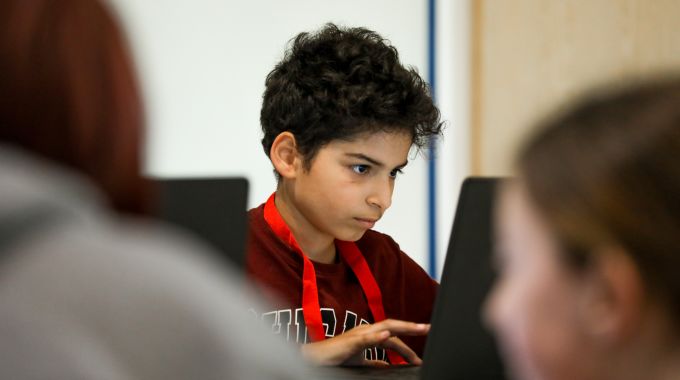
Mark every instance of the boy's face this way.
pixel 350 183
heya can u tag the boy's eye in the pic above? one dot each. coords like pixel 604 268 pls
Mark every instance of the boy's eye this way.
pixel 360 169
pixel 394 173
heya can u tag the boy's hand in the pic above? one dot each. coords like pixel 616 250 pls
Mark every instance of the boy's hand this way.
pixel 348 348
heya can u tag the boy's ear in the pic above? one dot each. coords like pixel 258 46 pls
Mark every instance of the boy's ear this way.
pixel 613 297
pixel 285 156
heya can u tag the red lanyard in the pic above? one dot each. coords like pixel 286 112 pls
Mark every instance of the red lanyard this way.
pixel 310 295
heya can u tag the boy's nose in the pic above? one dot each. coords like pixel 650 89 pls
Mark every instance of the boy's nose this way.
pixel 381 196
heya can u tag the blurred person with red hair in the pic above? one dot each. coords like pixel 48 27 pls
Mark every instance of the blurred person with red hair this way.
pixel 68 94
pixel 85 292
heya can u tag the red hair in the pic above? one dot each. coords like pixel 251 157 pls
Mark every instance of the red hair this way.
pixel 68 93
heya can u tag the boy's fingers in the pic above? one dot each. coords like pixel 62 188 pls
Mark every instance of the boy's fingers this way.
pixel 341 348
pixel 383 339
pixel 367 340
pixel 397 327
pixel 402 349
pixel 375 363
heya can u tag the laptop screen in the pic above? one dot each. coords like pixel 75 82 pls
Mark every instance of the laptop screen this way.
pixel 459 346
pixel 212 208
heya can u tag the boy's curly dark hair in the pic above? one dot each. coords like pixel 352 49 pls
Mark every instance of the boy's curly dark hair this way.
pixel 341 82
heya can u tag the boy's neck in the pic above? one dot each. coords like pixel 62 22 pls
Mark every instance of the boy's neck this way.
pixel 316 245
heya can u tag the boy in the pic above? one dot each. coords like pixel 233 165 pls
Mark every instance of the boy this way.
pixel 339 116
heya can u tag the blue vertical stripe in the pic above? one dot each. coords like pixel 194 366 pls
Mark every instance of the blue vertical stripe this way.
pixel 432 162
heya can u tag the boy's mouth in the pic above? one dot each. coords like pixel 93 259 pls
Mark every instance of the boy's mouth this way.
pixel 366 222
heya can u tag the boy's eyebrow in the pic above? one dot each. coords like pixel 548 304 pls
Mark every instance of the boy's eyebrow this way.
pixel 372 160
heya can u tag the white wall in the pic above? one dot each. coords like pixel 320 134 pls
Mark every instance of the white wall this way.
pixel 202 65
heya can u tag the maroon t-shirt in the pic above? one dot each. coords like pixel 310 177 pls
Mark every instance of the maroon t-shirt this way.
pixel 407 290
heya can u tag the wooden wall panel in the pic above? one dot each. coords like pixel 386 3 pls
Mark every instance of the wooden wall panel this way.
pixel 530 55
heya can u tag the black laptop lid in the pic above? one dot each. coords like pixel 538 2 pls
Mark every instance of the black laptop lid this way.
pixel 459 346
pixel 212 208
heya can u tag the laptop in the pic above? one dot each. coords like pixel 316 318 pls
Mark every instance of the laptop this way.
pixel 458 347
pixel 214 209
